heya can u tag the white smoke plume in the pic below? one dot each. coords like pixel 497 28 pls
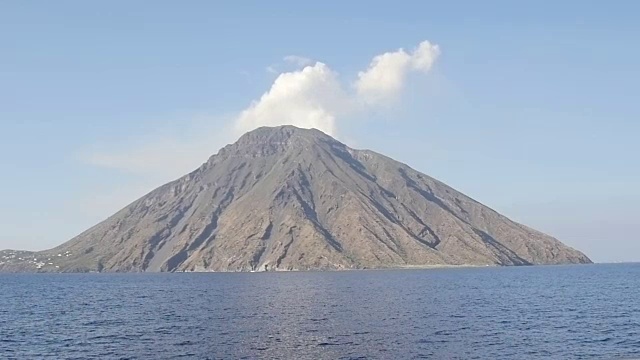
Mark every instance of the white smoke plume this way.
pixel 314 97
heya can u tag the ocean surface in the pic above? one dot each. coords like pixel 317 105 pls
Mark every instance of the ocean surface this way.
pixel 555 312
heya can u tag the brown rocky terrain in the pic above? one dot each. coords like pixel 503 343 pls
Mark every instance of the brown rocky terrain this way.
pixel 286 198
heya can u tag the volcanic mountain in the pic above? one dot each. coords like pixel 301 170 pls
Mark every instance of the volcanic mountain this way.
pixel 285 198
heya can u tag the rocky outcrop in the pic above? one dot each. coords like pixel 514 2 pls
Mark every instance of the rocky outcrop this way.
pixel 286 198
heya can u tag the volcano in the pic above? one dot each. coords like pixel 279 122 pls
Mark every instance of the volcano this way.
pixel 285 198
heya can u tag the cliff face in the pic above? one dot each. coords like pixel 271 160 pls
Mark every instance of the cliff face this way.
pixel 293 199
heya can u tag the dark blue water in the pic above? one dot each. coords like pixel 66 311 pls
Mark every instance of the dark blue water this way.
pixel 561 312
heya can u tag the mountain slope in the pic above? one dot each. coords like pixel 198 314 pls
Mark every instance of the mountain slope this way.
pixel 285 198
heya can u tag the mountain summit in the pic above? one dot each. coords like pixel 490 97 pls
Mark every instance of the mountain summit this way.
pixel 285 198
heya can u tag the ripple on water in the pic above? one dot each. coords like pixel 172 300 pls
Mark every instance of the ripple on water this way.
pixel 502 313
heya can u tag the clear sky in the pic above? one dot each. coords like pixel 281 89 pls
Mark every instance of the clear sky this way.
pixel 529 107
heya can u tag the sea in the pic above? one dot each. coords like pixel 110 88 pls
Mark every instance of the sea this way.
pixel 533 312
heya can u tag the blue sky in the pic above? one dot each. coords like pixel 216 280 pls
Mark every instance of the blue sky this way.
pixel 529 108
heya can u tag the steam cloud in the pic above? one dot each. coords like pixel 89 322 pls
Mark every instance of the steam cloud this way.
pixel 314 96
